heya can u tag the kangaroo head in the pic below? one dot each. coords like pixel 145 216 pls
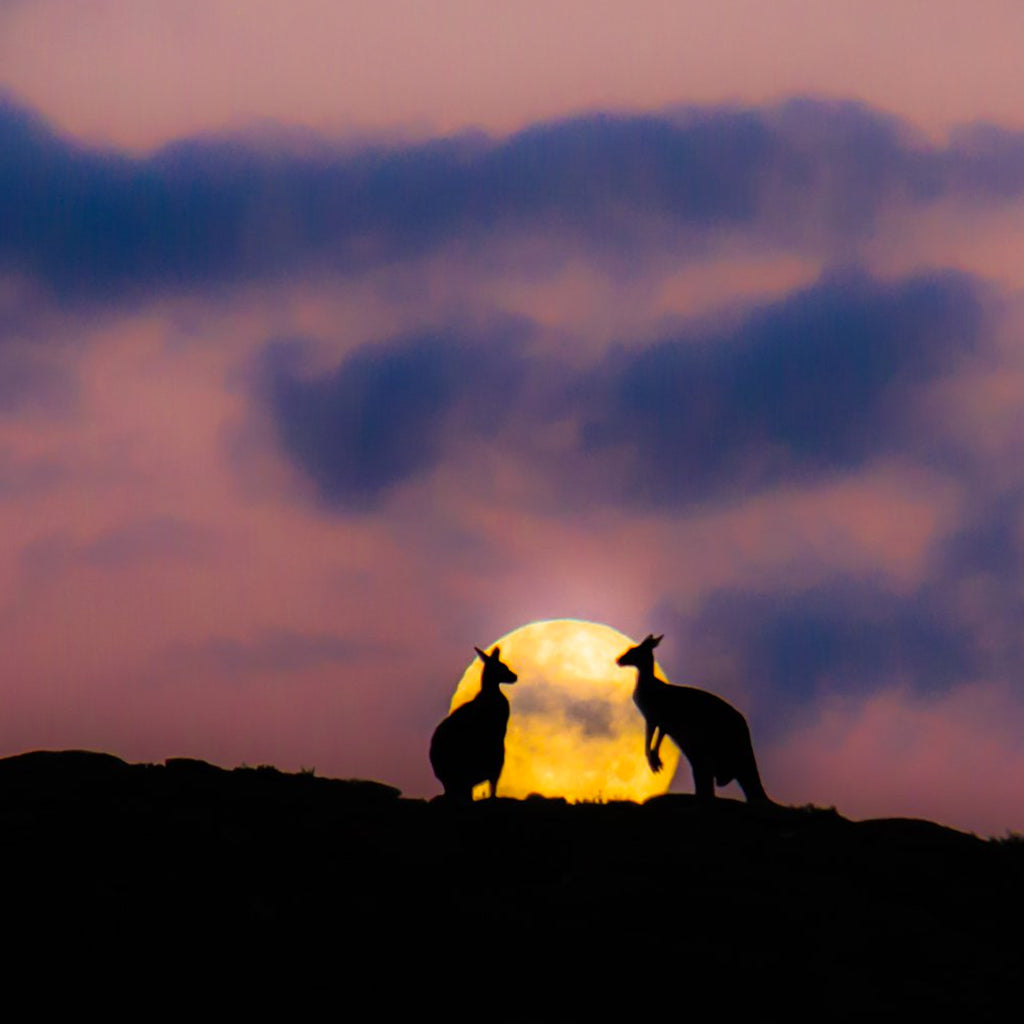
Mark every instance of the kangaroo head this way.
pixel 495 670
pixel 641 656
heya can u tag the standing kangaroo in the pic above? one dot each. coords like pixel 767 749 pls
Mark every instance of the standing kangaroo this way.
pixel 711 733
pixel 468 747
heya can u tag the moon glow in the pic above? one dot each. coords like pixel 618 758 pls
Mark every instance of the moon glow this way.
pixel 574 730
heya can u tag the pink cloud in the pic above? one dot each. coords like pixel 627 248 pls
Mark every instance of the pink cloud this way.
pixel 165 595
pixel 956 758
pixel 172 607
pixel 168 69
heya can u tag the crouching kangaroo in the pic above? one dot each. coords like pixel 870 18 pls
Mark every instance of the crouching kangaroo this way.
pixel 712 734
pixel 468 747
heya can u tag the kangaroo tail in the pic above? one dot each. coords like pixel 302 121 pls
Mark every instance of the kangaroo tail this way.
pixel 749 779
pixel 753 788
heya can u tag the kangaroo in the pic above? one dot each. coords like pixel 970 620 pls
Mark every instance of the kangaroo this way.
pixel 468 747
pixel 712 734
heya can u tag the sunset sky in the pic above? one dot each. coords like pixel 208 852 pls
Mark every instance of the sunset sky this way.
pixel 337 338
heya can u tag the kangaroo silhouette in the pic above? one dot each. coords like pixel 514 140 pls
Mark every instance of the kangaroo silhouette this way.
pixel 710 732
pixel 468 747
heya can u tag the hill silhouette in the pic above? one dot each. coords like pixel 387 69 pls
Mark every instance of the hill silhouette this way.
pixel 170 883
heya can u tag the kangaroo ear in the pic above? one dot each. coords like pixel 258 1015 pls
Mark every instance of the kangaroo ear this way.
pixel 483 657
pixel 495 653
pixel 655 640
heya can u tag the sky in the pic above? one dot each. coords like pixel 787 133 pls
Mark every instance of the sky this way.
pixel 338 338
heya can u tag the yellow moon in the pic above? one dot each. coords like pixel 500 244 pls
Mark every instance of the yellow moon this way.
pixel 574 730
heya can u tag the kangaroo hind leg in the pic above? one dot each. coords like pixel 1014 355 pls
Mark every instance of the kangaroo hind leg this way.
pixel 703 780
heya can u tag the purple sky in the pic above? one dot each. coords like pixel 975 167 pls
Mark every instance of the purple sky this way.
pixel 342 337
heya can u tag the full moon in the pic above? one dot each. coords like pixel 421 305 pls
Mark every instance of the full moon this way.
pixel 574 730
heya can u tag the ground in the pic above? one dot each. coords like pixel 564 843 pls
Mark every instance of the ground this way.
pixel 245 888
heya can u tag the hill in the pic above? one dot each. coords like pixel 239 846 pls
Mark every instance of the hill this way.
pixel 251 888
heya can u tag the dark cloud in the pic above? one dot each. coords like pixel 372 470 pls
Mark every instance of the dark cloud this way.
pixel 34 373
pixel 991 542
pixel 976 577
pixel 135 543
pixel 817 382
pixel 33 381
pixel 278 650
pixel 986 160
pixel 147 540
pixel 594 716
pixel 203 211
pixel 841 636
pixel 22 477
pixel 384 414
pixel 855 636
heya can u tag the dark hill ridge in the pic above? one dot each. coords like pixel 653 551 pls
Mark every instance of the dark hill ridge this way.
pixel 265 885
